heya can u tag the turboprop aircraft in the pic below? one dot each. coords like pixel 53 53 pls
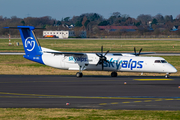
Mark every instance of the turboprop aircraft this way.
pixel 114 62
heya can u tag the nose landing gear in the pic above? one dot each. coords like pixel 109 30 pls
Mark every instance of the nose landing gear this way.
pixel 167 75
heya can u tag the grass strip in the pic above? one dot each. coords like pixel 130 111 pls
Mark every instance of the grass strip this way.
pixel 170 46
pixel 85 114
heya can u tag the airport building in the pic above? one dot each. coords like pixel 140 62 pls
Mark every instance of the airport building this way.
pixel 63 34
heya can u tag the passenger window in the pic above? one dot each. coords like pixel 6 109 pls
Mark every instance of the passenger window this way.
pixel 157 61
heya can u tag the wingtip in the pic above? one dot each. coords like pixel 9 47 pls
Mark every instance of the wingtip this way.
pixel 6 27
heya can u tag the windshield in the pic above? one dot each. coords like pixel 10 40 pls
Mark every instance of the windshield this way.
pixel 163 61
pixel 160 61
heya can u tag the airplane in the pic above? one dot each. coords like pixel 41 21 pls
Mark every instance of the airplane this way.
pixel 114 62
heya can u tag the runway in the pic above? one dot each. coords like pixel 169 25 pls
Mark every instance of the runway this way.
pixel 92 92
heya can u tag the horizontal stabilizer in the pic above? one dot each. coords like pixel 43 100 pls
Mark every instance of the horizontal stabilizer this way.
pixel 23 27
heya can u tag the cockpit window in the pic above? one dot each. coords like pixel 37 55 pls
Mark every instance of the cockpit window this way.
pixel 160 61
pixel 163 61
pixel 157 61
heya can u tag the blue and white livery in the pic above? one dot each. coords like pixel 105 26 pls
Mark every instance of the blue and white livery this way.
pixel 115 62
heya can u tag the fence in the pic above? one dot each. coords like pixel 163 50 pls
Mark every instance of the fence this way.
pixel 143 36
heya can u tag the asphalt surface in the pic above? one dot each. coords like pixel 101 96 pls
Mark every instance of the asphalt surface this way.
pixel 92 92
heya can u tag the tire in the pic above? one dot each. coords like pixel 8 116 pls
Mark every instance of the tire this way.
pixel 114 74
pixel 78 74
pixel 166 76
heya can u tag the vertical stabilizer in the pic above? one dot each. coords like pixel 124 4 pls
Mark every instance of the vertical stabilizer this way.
pixel 31 45
pixel 29 40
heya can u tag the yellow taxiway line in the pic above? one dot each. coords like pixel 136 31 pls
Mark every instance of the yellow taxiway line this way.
pixel 152 79
pixel 64 96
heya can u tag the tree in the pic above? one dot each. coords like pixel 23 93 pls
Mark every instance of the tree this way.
pixel 112 19
pixel 86 23
pixel 116 14
pixel 66 19
pixel 144 18
pixel 130 21
pixel 95 16
pixel 23 22
pixel 154 21
pixel 78 24
pixel 178 17
pixel 54 24
pixel 168 18
pixel 103 23
pixel 138 23
pixel 59 22
pixel 159 18
pixel 84 20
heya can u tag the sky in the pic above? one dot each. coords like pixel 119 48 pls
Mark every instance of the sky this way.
pixel 59 9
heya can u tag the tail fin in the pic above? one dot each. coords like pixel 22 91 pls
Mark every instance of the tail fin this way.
pixel 31 45
pixel 29 40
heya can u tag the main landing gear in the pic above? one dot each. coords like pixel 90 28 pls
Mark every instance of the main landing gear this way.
pixel 114 74
pixel 79 74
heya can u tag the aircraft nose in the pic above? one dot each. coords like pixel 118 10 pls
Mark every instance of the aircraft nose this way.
pixel 173 69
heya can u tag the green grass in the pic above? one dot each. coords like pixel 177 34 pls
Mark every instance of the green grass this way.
pixel 95 45
pixel 85 114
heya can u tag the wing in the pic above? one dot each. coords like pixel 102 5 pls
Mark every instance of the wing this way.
pixel 66 53
pixel 143 53
pixel 134 54
pixel 47 50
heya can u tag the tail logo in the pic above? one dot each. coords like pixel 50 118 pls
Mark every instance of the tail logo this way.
pixel 29 44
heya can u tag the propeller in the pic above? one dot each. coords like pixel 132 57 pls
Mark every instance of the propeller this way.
pixel 102 58
pixel 138 53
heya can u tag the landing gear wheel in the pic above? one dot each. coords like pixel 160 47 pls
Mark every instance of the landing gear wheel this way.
pixel 79 74
pixel 114 74
pixel 166 76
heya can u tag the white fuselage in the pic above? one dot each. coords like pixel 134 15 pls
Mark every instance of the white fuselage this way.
pixel 116 63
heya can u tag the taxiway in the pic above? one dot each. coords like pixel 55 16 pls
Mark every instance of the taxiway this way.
pixel 92 92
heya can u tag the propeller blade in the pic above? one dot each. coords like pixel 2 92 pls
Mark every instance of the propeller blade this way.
pixel 135 51
pixel 102 58
pixel 106 52
pixel 97 54
pixel 107 61
pixel 140 51
pixel 97 63
pixel 103 65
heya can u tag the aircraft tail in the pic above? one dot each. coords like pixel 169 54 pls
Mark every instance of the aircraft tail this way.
pixel 31 45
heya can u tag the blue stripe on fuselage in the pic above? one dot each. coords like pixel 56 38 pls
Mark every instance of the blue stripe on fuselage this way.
pixel 37 58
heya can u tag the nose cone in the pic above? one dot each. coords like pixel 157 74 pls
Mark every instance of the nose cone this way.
pixel 172 69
